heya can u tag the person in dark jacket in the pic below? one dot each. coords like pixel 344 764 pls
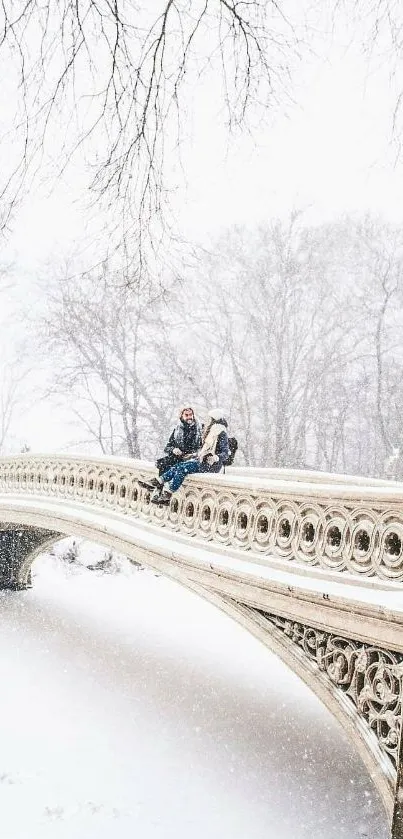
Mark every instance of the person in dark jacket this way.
pixel 185 440
pixel 211 457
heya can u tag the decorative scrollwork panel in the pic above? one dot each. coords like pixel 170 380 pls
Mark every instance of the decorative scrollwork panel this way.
pixel 370 677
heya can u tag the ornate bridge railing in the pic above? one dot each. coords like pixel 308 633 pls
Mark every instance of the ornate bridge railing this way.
pixel 341 524
pixel 311 564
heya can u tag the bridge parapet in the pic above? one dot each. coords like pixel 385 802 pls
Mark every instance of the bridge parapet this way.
pixel 353 526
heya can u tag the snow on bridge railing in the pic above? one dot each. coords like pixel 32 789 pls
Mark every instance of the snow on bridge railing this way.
pixel 340 523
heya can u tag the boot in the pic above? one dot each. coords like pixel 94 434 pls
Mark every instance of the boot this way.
pixel 156 496
pixel 165 497
pixel 153 483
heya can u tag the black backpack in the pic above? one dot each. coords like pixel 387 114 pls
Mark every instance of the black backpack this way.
pixel 232 450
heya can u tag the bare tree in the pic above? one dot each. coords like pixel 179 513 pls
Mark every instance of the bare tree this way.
pixel 106 362
pixel 380 248
pixel 379 28
pixel 301 335
pixel 114 80
pixel 279 333
pixel 16 393
pixel 295 330
pixel 11 399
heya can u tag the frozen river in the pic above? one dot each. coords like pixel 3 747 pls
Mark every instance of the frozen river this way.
pixel 130 709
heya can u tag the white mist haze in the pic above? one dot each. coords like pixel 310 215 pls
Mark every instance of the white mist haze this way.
pixel 256 262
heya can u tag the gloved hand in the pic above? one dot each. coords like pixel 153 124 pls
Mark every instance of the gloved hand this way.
pixel 177 452
pixel 212 458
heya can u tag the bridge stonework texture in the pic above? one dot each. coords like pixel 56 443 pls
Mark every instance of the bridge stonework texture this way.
pixel 310 563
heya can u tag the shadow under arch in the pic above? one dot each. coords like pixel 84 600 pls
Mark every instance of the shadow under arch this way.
pixel 64 524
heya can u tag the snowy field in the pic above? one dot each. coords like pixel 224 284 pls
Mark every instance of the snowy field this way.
pixel 131 709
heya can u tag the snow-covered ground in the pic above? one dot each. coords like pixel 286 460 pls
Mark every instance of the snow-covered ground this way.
pixel 131 709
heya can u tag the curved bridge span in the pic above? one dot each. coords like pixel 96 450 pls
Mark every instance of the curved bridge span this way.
pixel 311 564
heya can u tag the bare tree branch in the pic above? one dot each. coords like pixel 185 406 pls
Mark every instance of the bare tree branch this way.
pixel 113 82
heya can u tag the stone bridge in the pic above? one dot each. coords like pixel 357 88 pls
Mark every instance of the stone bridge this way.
pixel 310 563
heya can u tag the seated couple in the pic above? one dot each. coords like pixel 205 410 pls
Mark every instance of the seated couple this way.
pixel 190 449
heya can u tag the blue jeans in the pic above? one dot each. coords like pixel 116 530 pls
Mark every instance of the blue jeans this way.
pixel 175 475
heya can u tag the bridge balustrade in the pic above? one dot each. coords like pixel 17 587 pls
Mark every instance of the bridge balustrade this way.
pixel 354 527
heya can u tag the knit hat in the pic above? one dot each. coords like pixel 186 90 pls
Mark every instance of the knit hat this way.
pixel 185 407
pixel 216 413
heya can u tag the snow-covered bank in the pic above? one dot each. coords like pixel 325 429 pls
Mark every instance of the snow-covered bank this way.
pixel 130 708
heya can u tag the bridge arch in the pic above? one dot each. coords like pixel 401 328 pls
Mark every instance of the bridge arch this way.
pixel 252 620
